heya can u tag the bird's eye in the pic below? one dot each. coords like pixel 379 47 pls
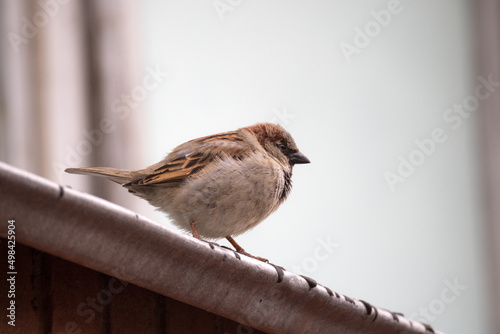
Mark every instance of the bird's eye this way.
pixel 282 146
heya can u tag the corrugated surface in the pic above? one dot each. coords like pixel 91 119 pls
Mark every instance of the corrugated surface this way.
pixel 99 235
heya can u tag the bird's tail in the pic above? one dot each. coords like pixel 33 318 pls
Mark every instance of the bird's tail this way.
pixel 116 175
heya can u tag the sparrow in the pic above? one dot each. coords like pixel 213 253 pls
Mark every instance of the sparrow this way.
pixel 217 186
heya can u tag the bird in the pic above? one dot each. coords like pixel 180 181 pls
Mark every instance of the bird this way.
pixel 217 186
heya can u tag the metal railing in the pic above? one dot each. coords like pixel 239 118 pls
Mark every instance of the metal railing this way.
pixel 102 236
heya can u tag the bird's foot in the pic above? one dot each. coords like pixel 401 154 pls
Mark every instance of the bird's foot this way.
pixel 240 250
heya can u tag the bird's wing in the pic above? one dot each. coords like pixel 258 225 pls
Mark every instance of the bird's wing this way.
pixel 190 158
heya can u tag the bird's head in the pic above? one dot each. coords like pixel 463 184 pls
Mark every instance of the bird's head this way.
pixel 278 143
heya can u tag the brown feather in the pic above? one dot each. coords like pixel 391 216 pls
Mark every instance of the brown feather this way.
pixel 179 166
pixel 116 175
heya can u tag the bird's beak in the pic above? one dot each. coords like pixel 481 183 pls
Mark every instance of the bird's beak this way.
pixel 298 158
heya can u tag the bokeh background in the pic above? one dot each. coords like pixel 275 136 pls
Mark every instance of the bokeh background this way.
pixel 396 103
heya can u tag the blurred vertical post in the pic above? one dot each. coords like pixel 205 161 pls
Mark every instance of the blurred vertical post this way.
pixel 70 89
pixel 19 110
pixel 115 90
pixel 488 57
pixel 69 71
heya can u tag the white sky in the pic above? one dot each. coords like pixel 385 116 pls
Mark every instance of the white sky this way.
pixel 396 249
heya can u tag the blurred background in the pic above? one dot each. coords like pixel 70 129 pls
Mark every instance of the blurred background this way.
pixel 396 103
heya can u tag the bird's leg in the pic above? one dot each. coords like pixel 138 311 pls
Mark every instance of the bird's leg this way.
pixel 239 249
pixel 195 231
pixel 196 235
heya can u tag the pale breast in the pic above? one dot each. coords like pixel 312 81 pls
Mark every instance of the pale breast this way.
pixel 230 196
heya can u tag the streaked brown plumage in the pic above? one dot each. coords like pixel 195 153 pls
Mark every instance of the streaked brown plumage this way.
pixel 220 185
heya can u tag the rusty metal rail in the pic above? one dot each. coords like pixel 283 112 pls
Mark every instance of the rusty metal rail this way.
pixel 105 237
